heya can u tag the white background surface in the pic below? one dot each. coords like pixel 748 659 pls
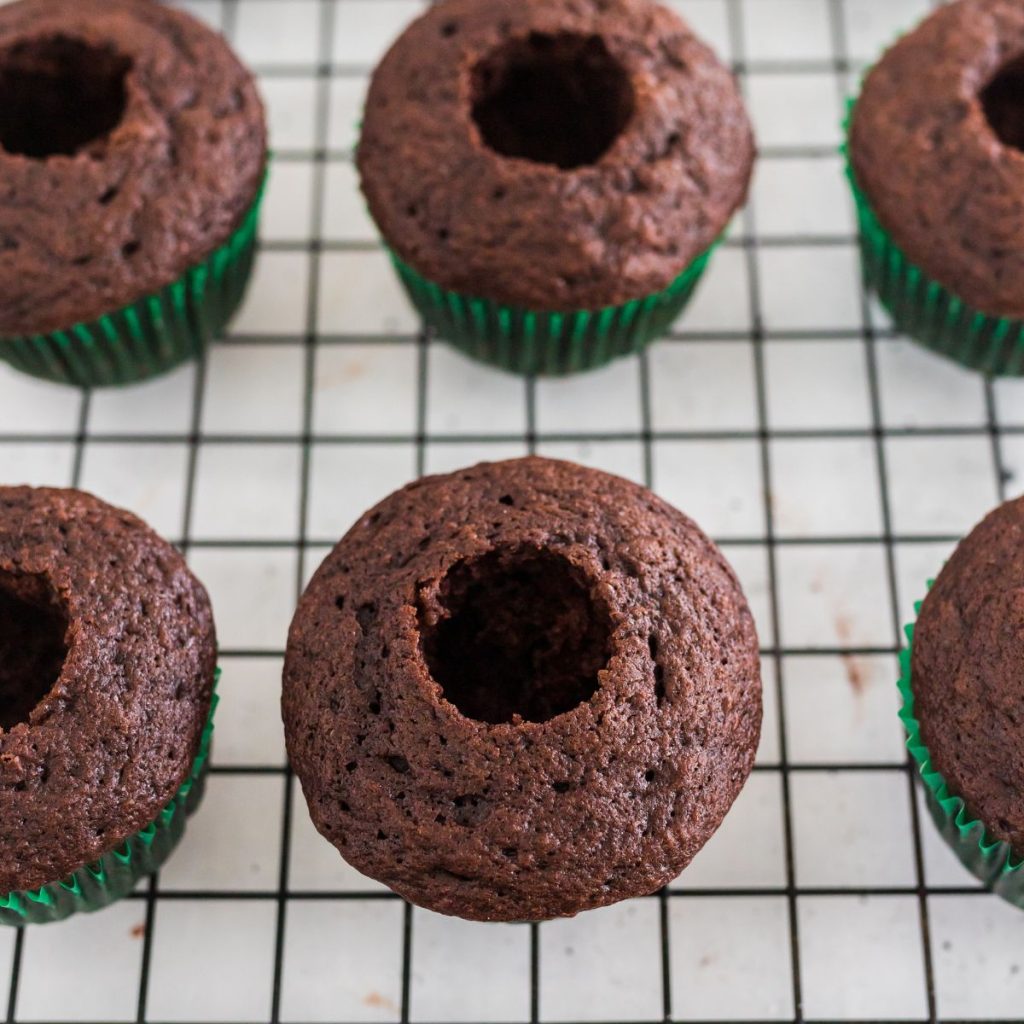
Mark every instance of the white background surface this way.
pixel 836 463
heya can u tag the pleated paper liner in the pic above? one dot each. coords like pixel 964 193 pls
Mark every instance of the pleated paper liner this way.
pixel 546 343
pixel 922 308
pixel 154 334
pixel 116 873
pixel 990 860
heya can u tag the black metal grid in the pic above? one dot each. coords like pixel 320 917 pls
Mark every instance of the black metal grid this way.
pixel 313 340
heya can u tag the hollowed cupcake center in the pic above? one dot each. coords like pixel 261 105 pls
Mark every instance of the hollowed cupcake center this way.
pixel 1003 102
pixel 59 95
pixel 555 99
pixel 521 636
pixel 33 623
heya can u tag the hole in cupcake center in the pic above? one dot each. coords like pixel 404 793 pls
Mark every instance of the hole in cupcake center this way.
pixel 58 95
pixel 1003 102
pixel 519 634
pixel 33 624
pixel 554 99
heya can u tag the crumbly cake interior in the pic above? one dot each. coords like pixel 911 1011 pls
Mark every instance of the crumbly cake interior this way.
pixel 33 624
pixel 523 638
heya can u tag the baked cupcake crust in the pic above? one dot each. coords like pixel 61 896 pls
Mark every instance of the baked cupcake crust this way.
pixel 110 743
pixel 936 173
pixel 88 232
pixel 529 809
pixel 534 234
pixel 966 673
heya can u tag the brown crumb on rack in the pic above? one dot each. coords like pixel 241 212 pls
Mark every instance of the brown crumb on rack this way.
pixel 376 1000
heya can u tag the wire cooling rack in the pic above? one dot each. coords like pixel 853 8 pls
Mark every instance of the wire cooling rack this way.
pixel 835 462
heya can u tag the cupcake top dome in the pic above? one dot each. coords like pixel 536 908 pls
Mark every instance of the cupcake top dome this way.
pixel 937 147
pixel 132 142
pixel 107 660
pixel 553 154
pixel 522 690
pixel 966 676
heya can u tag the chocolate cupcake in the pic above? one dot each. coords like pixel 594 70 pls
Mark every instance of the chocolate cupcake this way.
pixel 521 691
pixel 936 160
pixel 107 664
pixel 132 157
pixel 964 701
pixel 551 175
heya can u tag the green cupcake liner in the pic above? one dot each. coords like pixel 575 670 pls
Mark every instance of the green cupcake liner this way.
pixel 922 308
pixel 154 334
pixel 547 343
pixel 115 874
pixel 990 860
